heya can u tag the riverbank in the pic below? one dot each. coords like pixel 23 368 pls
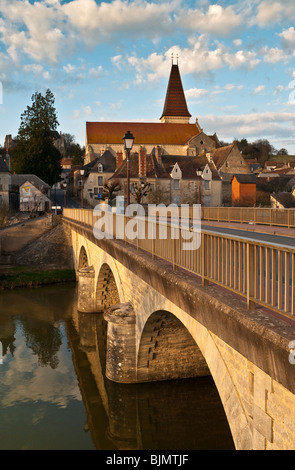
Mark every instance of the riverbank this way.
pixel 39 255
pixel 28 277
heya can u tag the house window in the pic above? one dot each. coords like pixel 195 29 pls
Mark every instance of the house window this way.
pixel 100 168
pixel 176 184
pixel 207 185
pixel 100 190
pixel 100 181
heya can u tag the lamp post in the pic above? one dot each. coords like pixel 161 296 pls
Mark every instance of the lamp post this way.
pixel 82 186
pixel 128 144
pixel 65 194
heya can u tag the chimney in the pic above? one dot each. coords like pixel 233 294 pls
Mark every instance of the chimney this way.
pixel 119 159
pixel 142 163
pixel 158 154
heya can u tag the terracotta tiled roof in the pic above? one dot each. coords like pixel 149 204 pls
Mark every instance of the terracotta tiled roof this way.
pixel 175 103
pixel 144 133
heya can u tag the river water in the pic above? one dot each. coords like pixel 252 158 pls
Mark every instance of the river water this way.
pixel 54 394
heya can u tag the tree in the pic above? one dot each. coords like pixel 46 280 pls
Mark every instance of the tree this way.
pixel 283 151
pixel 140 190
pixel 110 188
pixel 35 152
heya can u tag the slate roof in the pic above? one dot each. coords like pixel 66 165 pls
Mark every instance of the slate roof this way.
pixel 245 179
pixel 220 155
pixel 19 180
pixel 188 166
pixel 286 199
pixel 175 102
pixel 108 161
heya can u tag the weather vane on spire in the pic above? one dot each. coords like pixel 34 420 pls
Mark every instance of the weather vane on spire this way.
pixel 172 58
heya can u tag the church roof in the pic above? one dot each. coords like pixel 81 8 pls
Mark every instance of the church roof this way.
pixel 175 102
pixel 145 133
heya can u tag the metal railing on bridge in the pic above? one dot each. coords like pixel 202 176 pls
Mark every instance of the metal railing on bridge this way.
pixel 260 272
pixel 250 215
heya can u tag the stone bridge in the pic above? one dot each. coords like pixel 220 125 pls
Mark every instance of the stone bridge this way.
pixel 166 324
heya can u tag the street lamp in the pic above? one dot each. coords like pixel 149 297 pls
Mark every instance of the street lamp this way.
pixel 128 144
pixel 82 186
pixel 65 194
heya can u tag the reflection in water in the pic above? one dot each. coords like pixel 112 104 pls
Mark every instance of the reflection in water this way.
pixel 54 394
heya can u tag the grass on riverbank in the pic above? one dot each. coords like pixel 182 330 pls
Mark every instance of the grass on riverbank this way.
pixel 26 277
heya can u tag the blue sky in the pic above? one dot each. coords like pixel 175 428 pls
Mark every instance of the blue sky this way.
pixel 110 61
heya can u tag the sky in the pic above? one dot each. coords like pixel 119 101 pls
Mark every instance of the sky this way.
pixel 110 61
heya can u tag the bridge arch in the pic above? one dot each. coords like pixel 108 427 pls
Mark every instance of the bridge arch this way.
pixel 202 346
pixel 107 288
pixel 83 258
pixel 168 351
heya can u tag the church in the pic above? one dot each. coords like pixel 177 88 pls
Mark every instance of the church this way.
pixel 174 134
pixel 178 159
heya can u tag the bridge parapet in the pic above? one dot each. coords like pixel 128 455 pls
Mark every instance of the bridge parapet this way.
pixel 260 272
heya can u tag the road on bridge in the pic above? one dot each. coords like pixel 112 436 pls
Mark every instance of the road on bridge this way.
pixel 282 240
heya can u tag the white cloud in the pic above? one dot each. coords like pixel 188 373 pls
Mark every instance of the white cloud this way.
pixel 96 72
pixel 102 22
pixel 69 68
pixel 272 11
pixel 200 58
pixel 216 21
pixel 274 55
pixel 246 59
pixel 253 125
pixel 260 89
pixel 195 92
pixel 288 38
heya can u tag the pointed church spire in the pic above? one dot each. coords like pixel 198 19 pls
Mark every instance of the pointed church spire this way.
pixel 175 107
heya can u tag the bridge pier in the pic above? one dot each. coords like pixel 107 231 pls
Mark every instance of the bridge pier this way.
pixel 121 344
pixel 86 290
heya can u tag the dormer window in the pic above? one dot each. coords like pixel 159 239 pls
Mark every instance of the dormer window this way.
pixel 100 168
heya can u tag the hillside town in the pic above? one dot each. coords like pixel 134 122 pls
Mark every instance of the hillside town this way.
pixel 171 162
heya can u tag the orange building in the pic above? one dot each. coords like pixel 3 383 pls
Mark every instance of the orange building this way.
pixel 244 190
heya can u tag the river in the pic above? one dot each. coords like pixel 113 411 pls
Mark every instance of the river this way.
pixel 54 394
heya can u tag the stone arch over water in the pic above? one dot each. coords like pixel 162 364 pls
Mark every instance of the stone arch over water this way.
pixel 168 351
pixel 83 261
pixel 107 293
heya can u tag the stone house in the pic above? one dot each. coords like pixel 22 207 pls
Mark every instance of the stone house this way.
pixel 33 192
pixel 97 173
pixel 229 161
pixel 173 178
pixel 5 183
